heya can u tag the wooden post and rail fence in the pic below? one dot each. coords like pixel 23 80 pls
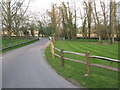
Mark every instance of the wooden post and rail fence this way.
pixel 88 64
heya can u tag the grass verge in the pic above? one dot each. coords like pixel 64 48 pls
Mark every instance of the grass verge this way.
pixel 14 40
pixel 15 47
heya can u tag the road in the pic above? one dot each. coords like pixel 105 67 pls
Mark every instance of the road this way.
pixel 26 67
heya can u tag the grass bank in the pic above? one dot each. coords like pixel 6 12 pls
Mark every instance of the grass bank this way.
pixel 14 41
pixel 6 43
pixel 99 77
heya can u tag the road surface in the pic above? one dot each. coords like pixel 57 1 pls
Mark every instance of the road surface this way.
pixel 26 67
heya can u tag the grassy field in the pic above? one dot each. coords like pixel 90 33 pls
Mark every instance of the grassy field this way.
pixel 5 43
pixel 14 41
pixel 99 77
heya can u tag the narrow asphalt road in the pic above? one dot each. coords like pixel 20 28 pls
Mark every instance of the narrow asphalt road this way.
pixel 26 67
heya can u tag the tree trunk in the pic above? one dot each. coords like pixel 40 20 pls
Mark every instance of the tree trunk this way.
pixel 100 39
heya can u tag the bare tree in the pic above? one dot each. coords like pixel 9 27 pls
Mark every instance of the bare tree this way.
pixel 12 14
pixel 97 22
pixel 68 21
pixel 89 13
pixel 112 19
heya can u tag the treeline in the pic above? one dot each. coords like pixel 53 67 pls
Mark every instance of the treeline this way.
pixel 103 22
pixel 62 20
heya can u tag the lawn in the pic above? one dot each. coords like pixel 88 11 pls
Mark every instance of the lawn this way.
pixel 99 77
pixel 14 41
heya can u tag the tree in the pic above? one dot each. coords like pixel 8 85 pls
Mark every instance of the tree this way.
pixel 83 17
pixel 68 21
pixel 112 19
pixel 40 29
pixel 99 28
pixel 89 12
pixel 32 28
pixel 53 17
pixel 55 20
pixel 12 15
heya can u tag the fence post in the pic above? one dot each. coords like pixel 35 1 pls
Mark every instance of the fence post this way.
pixel 62 57
pixel 111 63
pixel 52 50
pixel 87 64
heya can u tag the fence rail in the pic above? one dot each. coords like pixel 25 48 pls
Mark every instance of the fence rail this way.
pixel 104 58
pixel 91 56
pixel 88 64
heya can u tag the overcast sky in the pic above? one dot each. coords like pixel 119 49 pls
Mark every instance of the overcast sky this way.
pixel 37 5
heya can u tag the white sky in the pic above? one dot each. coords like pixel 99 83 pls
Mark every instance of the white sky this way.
pixel 41 5
pixel 36 5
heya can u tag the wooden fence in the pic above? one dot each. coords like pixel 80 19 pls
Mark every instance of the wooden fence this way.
pixel 87 55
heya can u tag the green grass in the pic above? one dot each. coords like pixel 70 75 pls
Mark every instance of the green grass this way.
pixel 15 41
pixel 6 43
pixel 99 77
pixel 15 47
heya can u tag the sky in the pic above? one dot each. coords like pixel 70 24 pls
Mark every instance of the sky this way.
pixel 42 5
pixel 36 5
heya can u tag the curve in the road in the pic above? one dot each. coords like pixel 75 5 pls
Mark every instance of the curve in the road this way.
pixel 26 67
